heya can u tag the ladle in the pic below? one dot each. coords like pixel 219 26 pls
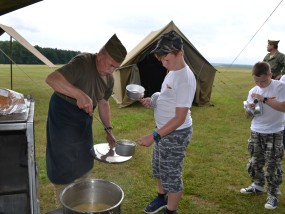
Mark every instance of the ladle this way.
pixel 123 147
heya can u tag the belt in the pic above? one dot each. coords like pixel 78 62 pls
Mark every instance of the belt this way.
pixel 67 98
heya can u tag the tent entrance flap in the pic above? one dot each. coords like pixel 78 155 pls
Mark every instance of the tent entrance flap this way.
pixel 151 74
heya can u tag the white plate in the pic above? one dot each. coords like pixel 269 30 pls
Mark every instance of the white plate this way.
pixel 102 152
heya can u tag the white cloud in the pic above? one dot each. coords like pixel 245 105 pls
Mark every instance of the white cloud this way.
pixel 219 29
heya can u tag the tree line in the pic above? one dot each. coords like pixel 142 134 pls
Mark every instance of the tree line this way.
pixel 20 55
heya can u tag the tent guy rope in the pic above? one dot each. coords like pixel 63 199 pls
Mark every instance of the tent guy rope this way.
pixel 256 33
pixel 39 86
pixel 224 83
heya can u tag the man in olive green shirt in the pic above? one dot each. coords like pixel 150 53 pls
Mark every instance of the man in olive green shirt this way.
pixel 276 59
pixel 86 82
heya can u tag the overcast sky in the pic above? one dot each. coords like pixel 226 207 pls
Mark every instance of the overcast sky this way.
pixel 222 30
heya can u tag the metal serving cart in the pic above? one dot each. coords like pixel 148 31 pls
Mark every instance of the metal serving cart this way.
pixel 18 170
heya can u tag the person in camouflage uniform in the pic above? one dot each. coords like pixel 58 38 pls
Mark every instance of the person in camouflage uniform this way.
pixel 265 145
pixel 173 123
pixel 275 58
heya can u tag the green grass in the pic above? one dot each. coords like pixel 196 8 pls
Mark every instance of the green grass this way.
pixel 215 164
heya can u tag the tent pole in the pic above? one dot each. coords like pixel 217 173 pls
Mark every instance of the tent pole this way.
pixel 11 63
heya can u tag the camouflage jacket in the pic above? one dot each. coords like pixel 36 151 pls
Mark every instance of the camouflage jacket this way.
pixel 277 63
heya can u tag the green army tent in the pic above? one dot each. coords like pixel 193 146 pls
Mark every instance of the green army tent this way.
pixel 141 67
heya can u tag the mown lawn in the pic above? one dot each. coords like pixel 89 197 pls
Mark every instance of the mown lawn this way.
pixel 215 164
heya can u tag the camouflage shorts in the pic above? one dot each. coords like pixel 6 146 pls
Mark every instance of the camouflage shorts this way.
pixel 168 156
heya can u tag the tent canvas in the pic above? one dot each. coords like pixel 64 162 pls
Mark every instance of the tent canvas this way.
pixel 7 6
pixel 141 67
pixel 14 34
pixel 25 43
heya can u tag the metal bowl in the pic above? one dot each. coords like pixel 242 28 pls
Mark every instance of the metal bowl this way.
pixel 125 148
pixel 92 196
pixel 135 92
pixel 153 99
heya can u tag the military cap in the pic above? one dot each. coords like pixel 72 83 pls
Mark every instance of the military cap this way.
pixel 273 42
pixel 168 43
pixel 116 49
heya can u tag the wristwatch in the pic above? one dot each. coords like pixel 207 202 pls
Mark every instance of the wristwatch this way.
pixel 265 99
pixel 156 136
pixel 108 128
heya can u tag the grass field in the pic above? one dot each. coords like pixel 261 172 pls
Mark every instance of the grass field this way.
pixel 215 164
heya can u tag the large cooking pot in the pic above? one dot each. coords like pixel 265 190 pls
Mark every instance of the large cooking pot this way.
pixel 125 147
pixel 92 196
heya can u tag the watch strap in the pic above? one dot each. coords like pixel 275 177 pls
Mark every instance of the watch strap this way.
pixel 156 136
pixel 108 128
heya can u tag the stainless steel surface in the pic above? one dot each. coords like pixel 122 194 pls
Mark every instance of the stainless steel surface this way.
pixel 135 92
pixel 25 122
pixel 17 121
pixel 92 191
pixel 125 147
pixel 102 152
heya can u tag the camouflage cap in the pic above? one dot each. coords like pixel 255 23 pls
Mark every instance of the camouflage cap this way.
pixel 273 42
pixel 116 49
pixel 168 43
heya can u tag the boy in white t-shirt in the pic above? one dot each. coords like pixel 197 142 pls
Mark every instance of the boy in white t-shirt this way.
pixel 265 145
pixel 173 124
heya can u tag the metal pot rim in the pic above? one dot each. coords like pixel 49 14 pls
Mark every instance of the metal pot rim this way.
pixel 139 88
pixel 125 142
pixel 91 181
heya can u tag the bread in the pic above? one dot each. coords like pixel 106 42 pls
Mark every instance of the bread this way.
pixel 4 98
pixel 11 101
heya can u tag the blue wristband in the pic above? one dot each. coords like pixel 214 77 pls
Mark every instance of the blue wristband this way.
pixel 156 136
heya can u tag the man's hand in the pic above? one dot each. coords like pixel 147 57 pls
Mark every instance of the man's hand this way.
pixel 85 103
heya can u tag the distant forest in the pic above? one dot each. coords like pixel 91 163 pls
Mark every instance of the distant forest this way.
pixel 20 55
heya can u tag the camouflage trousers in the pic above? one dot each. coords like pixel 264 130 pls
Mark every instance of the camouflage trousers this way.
pixel 266 152
pixel 168 157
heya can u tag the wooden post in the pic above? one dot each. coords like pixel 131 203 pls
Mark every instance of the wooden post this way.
pixel 11 72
